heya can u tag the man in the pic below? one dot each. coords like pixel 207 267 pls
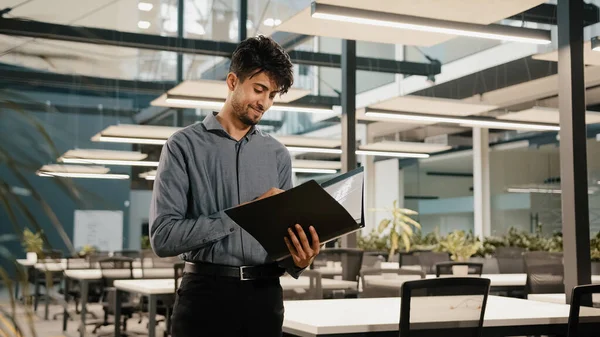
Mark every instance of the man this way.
pixel 220 163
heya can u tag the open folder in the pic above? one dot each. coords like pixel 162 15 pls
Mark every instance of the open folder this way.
pixel 334 208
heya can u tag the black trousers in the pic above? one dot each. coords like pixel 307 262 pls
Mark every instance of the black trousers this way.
pixel 225 306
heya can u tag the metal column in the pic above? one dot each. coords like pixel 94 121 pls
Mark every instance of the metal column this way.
pixel 573 162
pixel 180 30
pixel 242 19
pixel 349 117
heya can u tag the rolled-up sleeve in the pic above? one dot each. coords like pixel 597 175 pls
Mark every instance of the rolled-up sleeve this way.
pixel 171 233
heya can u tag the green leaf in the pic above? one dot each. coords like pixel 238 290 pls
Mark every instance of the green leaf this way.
pixel 411 221
pixel 383 225
pixel 406 240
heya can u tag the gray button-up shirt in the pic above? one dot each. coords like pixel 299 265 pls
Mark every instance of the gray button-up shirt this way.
pixel 203 171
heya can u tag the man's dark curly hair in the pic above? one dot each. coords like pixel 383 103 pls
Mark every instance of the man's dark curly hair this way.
pixel 257 54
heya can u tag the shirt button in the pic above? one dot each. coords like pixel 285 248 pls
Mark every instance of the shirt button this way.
pixel 231 229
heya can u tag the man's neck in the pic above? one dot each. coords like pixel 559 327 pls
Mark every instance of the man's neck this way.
pixel 232 125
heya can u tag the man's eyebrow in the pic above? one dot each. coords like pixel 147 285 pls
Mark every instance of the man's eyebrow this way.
pixel 264 87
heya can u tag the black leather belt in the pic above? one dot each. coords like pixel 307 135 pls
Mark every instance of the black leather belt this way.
pixel 243 273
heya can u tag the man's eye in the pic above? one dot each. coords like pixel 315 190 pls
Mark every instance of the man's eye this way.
pixel 257 91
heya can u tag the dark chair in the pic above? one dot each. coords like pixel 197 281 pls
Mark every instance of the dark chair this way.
pixel 134 254
pixel 583 296
pixel 510 260
pixel 403 276
pixel 545 273
pixel 447 268
pixel 410 258
pixel 467 296
pixel 351 260
pixel 116 268
pixel 74 292
pixel 428 260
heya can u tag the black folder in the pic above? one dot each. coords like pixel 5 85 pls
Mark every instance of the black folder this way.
pixel 334 208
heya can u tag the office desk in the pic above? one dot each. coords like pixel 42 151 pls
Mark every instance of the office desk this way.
pixel 504 316
pixel 558 298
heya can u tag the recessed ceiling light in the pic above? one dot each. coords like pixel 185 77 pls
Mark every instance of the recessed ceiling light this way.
pixel 144 6
pixel 143 24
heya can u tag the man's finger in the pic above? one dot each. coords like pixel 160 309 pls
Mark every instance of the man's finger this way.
pixel 316 244
pixel 297 244
pixel 291 249
pixel 304 240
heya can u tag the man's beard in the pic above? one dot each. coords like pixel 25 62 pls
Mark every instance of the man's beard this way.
pixel 242 114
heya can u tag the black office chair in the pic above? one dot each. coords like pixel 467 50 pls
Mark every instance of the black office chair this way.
pixel 410 258
pixel 134 254
pixel 510 260
pixel 428 260
pixel 116 268
pixel 353 262
pixel 581 296
pixel 467 296
pixel 545 273
pixel 447 268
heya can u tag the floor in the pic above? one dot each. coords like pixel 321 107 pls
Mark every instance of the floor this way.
pixel 26 319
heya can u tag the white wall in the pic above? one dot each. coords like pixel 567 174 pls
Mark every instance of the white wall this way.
pixel 139 210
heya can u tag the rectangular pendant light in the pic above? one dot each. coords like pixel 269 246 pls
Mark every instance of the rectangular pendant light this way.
pixel 109 162
pixel 383 19
pixel 208 103
pixel 392 154
pixel 75 171
pixel 313 170
pixel 485 122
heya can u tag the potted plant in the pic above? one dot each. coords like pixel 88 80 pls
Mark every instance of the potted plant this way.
pixel 595 254
pixel 33 244
pixel 87 250
pixel 461 247
pixel 399 228
pixel 145 242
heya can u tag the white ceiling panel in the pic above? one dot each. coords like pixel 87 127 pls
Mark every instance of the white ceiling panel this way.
pixel 74 168
pixel 218 89
pixel 590 57
pixel 317 164
pixel 308 141
pixel 104 154
pixel 433 105
pixel 405 147
pixel 138 131
pixel 472 11
pixel 545 115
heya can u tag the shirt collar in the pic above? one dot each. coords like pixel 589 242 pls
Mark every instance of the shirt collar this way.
pixel 210 122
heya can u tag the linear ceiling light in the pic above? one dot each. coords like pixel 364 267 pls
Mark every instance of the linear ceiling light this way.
pixel 383 19
pixel 539 190
pixel 313 149
pixel 211 103
pixel 130 140
pixel 75 171
pixel 392 154
pixel 313 170
pixel 108 162
pixel 105 157
pixel 486 122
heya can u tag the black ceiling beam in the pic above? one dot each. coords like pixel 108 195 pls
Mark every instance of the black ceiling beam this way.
pixel 546 13
pixel 99 36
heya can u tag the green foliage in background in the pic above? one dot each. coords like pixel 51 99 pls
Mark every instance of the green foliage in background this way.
pixel 399 226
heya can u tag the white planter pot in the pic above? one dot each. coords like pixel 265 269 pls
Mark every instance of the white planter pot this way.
pixel 460 270
pixel 32 256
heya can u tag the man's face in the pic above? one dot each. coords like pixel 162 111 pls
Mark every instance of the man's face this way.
pixel 252 97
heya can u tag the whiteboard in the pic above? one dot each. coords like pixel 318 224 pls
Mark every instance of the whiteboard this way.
pixel 101 229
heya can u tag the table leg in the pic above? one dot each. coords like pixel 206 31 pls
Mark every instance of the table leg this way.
pixel 65 311
pixel 151 315
pixel 36 294
pixel 84 298
pixel 117 312
pixel 48 275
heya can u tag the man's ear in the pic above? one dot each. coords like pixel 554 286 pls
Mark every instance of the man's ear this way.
pixel 232 81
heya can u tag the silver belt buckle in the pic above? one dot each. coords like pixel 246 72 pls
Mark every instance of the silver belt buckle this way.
pixel 242 277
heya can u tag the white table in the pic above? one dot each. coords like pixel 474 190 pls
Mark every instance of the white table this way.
pixel 153 288
pixel 336 268
pixel 86 276
pixel 503 316
pixel 496 280
pixel 557 298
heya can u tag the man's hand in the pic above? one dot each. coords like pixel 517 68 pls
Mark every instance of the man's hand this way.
pixel 302 251
pixel 271 192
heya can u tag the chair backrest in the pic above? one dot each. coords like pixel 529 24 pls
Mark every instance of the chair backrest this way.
pixel 545 273
pixel 428 260
pixel 448 268
pixel 583 296
pixel 95 257
pixel 134 254
pixel 510 260
pixel 352 257
pixel 409 258
pixel 461 299
pixel 374 291
pixel 116 267
pixel 52 254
